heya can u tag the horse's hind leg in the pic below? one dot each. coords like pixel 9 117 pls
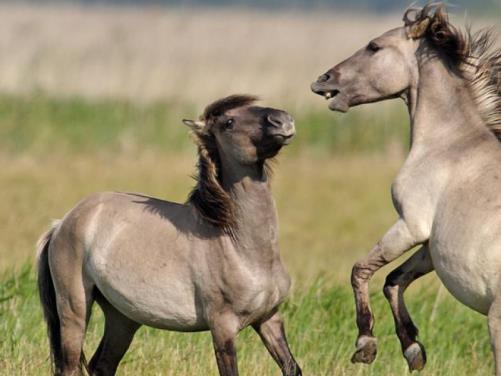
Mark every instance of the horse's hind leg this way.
pixel 272 333
pixel 118 334
pixel 494 320
pixel 74 301
pixel 396 283
pixel 72 312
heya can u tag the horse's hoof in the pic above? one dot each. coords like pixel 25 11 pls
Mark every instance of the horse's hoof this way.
pixel 366 350
pixel 415 356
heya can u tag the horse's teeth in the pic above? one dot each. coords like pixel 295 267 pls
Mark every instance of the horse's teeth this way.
pixel 328 95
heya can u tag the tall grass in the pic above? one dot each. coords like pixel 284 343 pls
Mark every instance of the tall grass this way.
pixel 38 124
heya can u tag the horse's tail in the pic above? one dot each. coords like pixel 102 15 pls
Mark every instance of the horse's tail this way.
pixel 47 295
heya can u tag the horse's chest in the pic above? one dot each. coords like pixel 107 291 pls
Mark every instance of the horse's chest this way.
pixel 415 193
pixel 414 188
pixel 257 292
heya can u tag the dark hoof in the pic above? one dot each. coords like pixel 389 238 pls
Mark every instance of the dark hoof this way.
pixel 366 350
pixel 415 356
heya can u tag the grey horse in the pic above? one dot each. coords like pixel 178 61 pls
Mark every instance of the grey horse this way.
pixel 447 194
pixel 212 263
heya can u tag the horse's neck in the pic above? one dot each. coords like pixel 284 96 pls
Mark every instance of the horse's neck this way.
pixel 443 113
pixel 256 219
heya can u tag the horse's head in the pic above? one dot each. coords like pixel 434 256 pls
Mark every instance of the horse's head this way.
pixel 243 132
pixel 232 135
pixel 388 65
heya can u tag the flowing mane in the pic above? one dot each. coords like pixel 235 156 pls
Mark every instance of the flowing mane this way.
pixel 212 202
pixel 472 55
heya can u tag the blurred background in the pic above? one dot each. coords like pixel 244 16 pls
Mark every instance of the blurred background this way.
pixel 189 52
pixel 91 97
pixel 107 82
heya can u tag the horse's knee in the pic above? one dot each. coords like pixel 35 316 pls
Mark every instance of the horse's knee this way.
pixel 391 284
pixel 359 274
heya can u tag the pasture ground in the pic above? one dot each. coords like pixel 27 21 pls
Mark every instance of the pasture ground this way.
pixel 332 190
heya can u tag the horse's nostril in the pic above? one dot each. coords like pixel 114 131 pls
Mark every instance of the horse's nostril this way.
pixel 275 122
pixel 324 77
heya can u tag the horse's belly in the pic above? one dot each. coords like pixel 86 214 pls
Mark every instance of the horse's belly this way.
pixel 163 309
pixel 470 275
pixel 153 300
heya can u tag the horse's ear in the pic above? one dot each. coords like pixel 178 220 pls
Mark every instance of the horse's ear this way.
pixel 418 29
pixel 195 126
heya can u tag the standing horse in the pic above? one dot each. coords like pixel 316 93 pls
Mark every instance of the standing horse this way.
pixel 447 193
pixel 210 264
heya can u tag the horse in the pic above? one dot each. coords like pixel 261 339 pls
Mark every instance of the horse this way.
pixel 447 191
pixel 210 264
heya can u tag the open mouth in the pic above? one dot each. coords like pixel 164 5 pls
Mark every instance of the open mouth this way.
pixel 330 94
pixel 338 100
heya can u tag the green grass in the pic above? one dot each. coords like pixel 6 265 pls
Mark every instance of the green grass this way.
pixel 319 323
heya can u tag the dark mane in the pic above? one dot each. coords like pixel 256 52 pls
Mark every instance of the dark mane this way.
pixel 211 201
pixel 471 55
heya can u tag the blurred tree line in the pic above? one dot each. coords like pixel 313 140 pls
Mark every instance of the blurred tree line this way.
pixel 368 5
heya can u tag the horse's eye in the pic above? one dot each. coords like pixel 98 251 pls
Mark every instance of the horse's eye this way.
pixel 229 124
pixel 373 47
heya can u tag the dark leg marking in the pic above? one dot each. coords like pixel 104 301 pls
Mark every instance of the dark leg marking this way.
pixel 119 331
pixel 396 284
pixel 272 334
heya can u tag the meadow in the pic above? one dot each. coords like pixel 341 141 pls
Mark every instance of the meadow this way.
pixel 332 192
pixel 89 103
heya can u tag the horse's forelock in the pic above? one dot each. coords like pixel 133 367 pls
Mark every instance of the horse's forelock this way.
pixel 222 105
pixel 438 32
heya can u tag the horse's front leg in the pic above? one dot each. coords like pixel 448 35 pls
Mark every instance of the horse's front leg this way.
pixel 224 328
pixel 398 280
pixel 494 321
pixel 395 242
pixel 272 334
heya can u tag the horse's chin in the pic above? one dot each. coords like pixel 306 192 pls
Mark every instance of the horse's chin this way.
pixel 339 104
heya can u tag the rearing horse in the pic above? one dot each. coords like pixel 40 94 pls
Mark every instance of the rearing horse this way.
pixel 448 192
pixel 210 264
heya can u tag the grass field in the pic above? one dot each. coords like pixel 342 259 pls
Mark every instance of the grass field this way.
pixel 332 191
pixel 319 321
